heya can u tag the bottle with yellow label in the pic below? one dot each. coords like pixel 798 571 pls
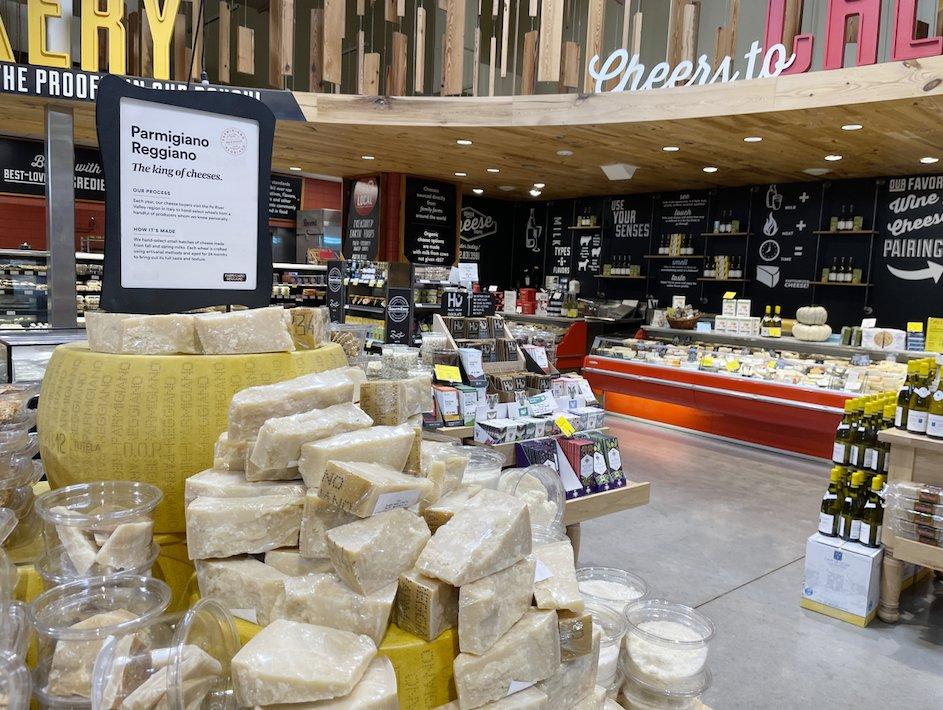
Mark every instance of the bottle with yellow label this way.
pixel 935 415
pixel 842 445
pixel 918 409
pixel 903 396
pixel 830 513
pixel 766 323
pixel 776 327
pixel 849 527
pixel 872 515
pixel 884 447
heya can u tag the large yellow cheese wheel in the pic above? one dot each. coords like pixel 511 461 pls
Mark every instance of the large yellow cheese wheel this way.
pixel 151 419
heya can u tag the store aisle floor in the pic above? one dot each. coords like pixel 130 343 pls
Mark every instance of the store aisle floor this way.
pixel 725 532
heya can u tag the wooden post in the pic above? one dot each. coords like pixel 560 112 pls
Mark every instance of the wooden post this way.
pixel 223 42
pixel 529 69
pixel 453 49
pixel 331 62
pixel 398 75
pixel 361 48
pixel 492 65
pixel 637 33
pixel 691 20
pixel 316 51
pixel 594 21
pixel 792 25
pixel 197 23
pixel 675 24
pixel 571 65
pixel 134 43
pixel 476 53
pixel 551 40
pixel 505 31
pixel 147 47
pixel 419 78
pixel 180 47
pixel 245 50
pixel 276 9
pixel 371 74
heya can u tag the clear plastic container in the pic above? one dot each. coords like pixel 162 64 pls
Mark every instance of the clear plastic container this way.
pixel 97 529
pixel 541 488
pixel 21 500
pixel 666 643
pixel 57 569
pixel 14 683
pixel 15 630
pixel 484 466
pixel 177 661
pixel 613 628
pixel 73 622
pixel 351 337
pixel 919 533
pixel 15 398
pixel 545 535
pixel 639 694
pixel 614 587
pixel 14 461
pixel 430 343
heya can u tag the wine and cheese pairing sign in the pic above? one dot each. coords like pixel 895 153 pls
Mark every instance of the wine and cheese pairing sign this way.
pixel 430 228
pixel 361 233
pixel 185 214
pixel 485 236
pixel 684 213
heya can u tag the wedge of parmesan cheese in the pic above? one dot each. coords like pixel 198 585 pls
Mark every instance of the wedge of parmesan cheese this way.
pixel 254 330
pixel 575 679
pixel 225 527
pixel 560 590
pixel 318 517
pixel 387 445
pixel 489 606
pixel 528 699
pixel 365 489
pixel 229 457
pixel 441 512
pixel 170 334
pixel 425 606
pixel 128 547
pixel 375 691
pixel 104 331
pixel 243 584
pixel 393 402
pixel 213 483
pixel 290 562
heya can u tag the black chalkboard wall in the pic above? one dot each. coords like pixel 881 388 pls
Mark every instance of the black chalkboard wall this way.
pixel 785 241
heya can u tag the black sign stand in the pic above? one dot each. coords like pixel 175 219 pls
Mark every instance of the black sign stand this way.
pixel 336 292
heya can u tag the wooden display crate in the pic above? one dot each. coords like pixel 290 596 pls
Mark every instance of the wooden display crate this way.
pixel 490 368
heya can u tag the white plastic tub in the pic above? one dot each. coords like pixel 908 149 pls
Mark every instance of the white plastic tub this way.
pixel 666 643
pixel 614 587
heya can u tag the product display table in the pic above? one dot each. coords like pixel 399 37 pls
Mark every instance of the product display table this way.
pixel 26 352
pixel 913 458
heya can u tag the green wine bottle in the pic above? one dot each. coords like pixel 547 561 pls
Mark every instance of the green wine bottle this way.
pixel 850 525
pixel 872 515
pixel 840 450
pixel 830 513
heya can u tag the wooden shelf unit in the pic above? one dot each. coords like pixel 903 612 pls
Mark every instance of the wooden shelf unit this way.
pixel 726 234
pixel 721 281
pixel 640 277
pixel 838 283
pixel 598 226
pixel 846 232
pixel 666 256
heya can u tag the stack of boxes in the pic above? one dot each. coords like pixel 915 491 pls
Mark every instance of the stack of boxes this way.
pixel 735 318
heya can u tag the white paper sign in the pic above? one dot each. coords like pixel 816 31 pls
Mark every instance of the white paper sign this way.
pixel 541 572
pixel 397 499
pixel 190 196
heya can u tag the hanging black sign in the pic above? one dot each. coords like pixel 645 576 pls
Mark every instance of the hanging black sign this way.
pixel 23 170
pixel 284 196
pixel 685 214
pixel 430 232
pixel 454 303
pixel 530 243
pixel 362 219
pixel 485 235
pixel 481 304
pixel 336 293
pixel 399 316
pixel 559 240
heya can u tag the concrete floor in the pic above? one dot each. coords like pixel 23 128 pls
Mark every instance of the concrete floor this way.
pixel 725 532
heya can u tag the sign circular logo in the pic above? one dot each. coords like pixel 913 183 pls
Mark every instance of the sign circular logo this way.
pixel 366 193
pixel 234 141
pixel 334 279
pixel 398 309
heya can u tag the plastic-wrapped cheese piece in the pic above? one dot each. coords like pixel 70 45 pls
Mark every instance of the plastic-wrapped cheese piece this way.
pixel 170 334
pixel 229 457
pixel 595 700
pixel 251 407
pixel 70 671
pixel 325 600
pixel 392 402
pixel 225 527
pixel 528 699
pixel 254 330
pixel 435 476
pixel 425 606
pixel 308 326
pixel 128 546
pixel 292 662
pixel 573 680
pixel 318 517
pixel 79 546
pixel 280 439
pixel 291 562
pixel 387 445
pixel 371 553
pixel 529 652
pixel 104 331
pixel 611 704
pixel 576 634
pixel 491 532
pixel 279 473
pixel 369 488
pixel 489 606
pixel 247 587
pixel 375 691
pixel 213 483
pixel 560 590
pixel 441 512
pixel 195 665
pixel 455 463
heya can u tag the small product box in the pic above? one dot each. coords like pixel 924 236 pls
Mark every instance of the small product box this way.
pixel 576 457
pixel 744 326
pixel 471 364
pixel 728 308
pixel 447 405
pixel 541 452
pixel 842 579
pixel 743 307
pixel 467 403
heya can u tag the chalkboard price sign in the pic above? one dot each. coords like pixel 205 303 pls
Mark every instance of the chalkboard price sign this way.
pixel 362 219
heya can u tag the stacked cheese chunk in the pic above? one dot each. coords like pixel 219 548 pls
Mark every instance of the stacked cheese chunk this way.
pixel 259 330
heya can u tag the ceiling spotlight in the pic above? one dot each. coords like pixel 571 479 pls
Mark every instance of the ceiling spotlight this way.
pixel 752 139
pixel 366 157
pixel 710 169
pixel 539 185
pixel 852 127
pixel 461 174
pixel 493 170
pixel 463 141
pixel 929 161
pixel 833 158
pixel 535 193
pixel 295 168
pixel 817 172
pixel 564 153
pixel 671 149
pixel 505 188
pixel 478 191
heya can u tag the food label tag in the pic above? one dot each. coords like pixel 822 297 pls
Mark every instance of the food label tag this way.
pixel 517 685
pixel 245 614
pixel 728 295
pixel 448 373
pixel 541 404
pixel 541 572
pixel 563 424
pixel 398 499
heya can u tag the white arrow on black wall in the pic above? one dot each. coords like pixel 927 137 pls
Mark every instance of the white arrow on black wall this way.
pixel 933 271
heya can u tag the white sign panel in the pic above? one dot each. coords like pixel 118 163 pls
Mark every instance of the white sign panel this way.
pixel 189 212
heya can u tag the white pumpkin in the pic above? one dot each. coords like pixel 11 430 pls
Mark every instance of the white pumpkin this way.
pixel 812 315
pixel 811 333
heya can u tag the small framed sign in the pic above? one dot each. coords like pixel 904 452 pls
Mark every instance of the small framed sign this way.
pixel 186 198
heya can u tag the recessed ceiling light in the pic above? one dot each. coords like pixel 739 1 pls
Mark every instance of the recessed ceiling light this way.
pixel 295 168
pixel 461 174
pixel 493 170
pixel 540 185
pixel 710 169
pixel 564 153
pixel 535 193
pixel 752 139
pixel 463 141
pixel 833 158
pixel 671 149
pixel 852 127
pixel 366 157
pixel 477 190
pixel 929 161
pixel 818 172
pixel 505 188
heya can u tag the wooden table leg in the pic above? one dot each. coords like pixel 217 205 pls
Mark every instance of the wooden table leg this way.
pixel 573 532
pixel 890 589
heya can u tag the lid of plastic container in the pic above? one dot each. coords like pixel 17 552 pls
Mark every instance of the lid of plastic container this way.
pixel 212 628
pixel 615 576
pixel 122 501
pixel 15 630
pixel 541 488
pixel 480 457
pixel 658 610
pixel 692 687
pixel 15 682
pixel 607 619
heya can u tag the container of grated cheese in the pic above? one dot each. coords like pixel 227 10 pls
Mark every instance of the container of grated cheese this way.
pixel 175 661
pixel 615 587
pixel 639 694
pixel 14 683
pixel 98 529
pixel 484 466
pixel 541 488
pixel 613 627
pixel 666 643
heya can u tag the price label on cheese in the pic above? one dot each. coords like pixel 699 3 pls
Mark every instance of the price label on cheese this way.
pixel 733 365
pixel 563 424
pixel 915 327
pixel 448 373
pixel 541 572
pixel 729 295
pixel 397 499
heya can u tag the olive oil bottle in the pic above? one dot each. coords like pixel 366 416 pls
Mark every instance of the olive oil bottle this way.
pixel 903 397
pixel 767 322
pixel 830 514
pixel 842 446
pixel 850 524
pixel 872 515
pixel 919 408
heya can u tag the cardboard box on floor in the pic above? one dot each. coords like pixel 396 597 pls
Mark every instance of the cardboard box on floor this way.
pixel 842 579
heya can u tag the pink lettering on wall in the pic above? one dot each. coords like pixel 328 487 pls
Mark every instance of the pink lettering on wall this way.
pixel 869 27
pixel 904 45
pixel 802 44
